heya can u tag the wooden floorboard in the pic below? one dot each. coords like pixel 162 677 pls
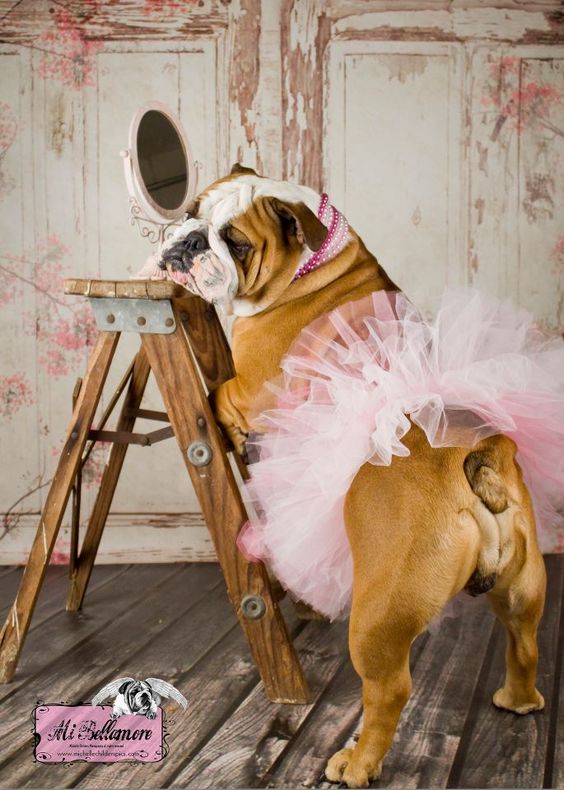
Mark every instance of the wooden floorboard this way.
pixel 10 581
pixel 244 748
pixel 175 622
pixel 52 598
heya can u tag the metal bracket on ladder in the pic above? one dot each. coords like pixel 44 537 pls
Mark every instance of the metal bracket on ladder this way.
pixel 152 316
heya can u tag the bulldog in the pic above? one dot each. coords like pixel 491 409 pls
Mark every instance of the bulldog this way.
pixel 138 697
pixel 421 529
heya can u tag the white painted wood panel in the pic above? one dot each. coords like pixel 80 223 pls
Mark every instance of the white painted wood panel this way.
pixel 20 418
pixel 516 177
pixel 128 537
pixel 393 157
pixel 60 233
pixel 493 182
pixel 541 188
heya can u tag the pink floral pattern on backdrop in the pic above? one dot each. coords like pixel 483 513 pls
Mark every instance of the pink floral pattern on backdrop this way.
pixel 520 102
pixel 67 55
pixel 64 328
pixel 15 393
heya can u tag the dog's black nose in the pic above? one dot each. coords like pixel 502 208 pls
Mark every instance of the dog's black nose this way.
pixel 195 242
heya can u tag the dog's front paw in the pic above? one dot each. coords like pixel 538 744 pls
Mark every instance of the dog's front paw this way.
pixel 503 698
pixel 346 766
pixel 151 714
pixel 238 439
pixel 337 764
pixel 228 416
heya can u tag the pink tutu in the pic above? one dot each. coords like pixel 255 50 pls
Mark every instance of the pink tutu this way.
pixel 352 382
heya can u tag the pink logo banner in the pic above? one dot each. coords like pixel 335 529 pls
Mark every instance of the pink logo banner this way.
pixel 65 733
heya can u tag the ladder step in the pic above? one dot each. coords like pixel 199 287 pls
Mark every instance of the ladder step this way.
pixel 147 414
pixel 125 437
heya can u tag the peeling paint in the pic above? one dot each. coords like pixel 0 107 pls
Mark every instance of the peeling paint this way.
pixel 245 70
pixel 60 131
pixel 389 33
pixel 440 20
pixel 482 157
pixel 305 32
pixel 497 23
pixel 539 203
pixel 456 23
pixel 404 66
pixel 479 205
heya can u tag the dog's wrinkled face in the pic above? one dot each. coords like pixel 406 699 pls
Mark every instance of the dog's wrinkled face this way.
pixel 138 696
pixel 244 240
pixel 197 258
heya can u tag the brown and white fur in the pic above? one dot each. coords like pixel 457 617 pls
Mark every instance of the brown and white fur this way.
pixel 420 530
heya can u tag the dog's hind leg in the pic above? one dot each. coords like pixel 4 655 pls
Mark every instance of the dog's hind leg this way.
pixel 518 578
pixel 380 654
pixel 518 601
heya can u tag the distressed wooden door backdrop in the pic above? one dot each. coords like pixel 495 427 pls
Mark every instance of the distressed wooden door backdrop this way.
pixel 437 127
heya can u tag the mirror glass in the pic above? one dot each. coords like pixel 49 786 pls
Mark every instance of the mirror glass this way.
pixel 162 160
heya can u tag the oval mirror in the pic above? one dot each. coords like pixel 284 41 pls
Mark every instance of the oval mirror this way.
pixel 163 171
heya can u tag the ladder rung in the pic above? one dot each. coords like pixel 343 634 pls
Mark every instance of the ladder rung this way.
pixel 125 437
pixel 147 414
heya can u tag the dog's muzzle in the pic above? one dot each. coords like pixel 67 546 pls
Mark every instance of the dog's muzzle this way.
pixel 200 261
pixel 180 256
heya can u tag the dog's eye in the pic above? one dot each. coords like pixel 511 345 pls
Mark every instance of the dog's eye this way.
pixel 240 249
pixel 237 242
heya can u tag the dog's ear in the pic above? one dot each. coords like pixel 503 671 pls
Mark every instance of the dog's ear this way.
pixel 123 688
pixel 241 170
pixel 298 220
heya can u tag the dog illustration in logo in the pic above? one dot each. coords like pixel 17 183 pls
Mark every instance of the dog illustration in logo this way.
pixel 139 697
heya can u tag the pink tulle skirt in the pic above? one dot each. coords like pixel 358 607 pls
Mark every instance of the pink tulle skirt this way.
pixel 353 382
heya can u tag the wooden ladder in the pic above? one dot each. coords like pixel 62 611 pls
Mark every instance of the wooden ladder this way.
pixel 181 338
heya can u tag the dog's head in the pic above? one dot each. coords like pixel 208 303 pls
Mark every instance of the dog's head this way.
pixel 244 240
pixel 138 695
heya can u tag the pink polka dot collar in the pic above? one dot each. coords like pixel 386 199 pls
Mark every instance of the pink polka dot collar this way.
pixel 334 241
